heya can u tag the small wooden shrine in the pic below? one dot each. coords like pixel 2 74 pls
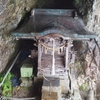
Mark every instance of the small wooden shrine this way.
pixel 53 54
pixel 54 31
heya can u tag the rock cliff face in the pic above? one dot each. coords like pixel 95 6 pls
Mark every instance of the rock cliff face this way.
pixel 13 11
pixel 89 10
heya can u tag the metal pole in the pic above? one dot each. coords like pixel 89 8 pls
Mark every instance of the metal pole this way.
pixel 12 98
pixel 10 69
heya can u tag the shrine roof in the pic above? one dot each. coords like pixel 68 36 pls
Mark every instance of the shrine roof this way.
pixel 63 22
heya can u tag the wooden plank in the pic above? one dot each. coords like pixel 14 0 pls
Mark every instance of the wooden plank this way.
pixel 56 12
pixel 39 55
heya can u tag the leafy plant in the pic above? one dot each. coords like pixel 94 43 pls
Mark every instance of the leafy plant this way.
pixel 7 86
pixel 83 87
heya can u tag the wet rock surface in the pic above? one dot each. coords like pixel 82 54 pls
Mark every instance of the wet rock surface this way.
pixel 89 10
pixel 11 13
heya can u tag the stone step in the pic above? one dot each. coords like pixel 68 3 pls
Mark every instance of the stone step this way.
pixel 51 93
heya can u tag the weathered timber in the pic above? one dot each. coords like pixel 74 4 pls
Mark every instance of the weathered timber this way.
pixel 39 55
pixel 45 21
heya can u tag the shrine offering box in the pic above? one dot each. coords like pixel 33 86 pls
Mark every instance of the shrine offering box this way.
pixel 26 70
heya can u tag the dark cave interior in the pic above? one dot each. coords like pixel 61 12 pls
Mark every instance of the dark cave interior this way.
pixel 64 4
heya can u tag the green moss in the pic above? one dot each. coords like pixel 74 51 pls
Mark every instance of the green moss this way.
pixel 12 2
pixel 79 65
pixel 83 87
pixel 23 13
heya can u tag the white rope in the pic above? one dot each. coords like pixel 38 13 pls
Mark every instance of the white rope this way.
pixel 50 48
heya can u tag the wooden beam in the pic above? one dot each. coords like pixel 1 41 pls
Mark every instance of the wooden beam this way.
pixel 39 54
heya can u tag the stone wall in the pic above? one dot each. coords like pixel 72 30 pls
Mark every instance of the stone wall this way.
pixel 11 13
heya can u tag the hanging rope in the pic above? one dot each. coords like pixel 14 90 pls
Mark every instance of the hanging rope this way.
pixel 50 48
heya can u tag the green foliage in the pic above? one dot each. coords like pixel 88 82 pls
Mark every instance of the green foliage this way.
pixel 79 66
pixel 12 1
pixel 7 86
pixel 83 87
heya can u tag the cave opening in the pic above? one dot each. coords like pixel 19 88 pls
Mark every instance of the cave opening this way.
pixel 25 45
pixel 25 69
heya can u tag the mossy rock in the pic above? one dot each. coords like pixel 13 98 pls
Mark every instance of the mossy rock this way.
pixel 83 87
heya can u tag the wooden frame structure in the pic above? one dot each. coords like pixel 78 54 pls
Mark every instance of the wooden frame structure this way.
pixel 54 30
